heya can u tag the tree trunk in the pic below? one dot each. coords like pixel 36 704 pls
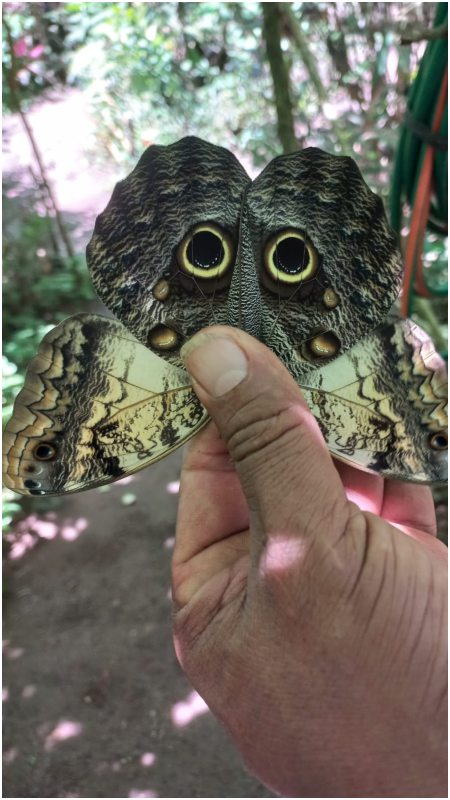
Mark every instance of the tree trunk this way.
pixel 272 18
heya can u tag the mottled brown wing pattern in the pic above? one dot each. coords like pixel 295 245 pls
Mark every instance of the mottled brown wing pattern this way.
pixel 357 273
pixel 96 405
pixel 382 406
pixel 132 255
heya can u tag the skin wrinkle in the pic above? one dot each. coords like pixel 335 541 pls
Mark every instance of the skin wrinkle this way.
pixel 371 611
pixel 366 539
pixel 234 533
pixel 211 611
pixel 184 571
pixel 441 696
pixel 405 617
pixel 421 632
pixel 263 432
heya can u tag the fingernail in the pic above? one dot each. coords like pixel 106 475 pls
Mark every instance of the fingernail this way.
pixel 215 362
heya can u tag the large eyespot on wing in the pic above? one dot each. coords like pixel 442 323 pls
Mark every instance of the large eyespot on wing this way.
pixel 356 270
pixel 97 405
pixel 187 189
pixel 382 406
pixel 290 260
pixel 206 253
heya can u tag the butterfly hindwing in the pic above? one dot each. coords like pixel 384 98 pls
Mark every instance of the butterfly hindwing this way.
pixel 96 405
pixel 382 406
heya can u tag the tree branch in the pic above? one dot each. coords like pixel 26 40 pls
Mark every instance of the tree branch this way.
pixel 424 34
pixel 303 49
pixel 309 63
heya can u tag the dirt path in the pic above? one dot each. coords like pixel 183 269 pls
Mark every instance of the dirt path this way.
pixel 95 704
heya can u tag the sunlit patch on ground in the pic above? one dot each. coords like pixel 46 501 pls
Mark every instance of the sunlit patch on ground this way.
pixel 65 729
pixel 128 499
pixel 12 652
pixel 184 712
pixel 10 755
pixel 28 691
pixel 30 530
pixel 147 759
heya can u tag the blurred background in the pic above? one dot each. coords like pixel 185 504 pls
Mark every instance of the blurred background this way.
pixel 95 704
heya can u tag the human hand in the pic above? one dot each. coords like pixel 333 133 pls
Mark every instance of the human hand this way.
pixel 310 598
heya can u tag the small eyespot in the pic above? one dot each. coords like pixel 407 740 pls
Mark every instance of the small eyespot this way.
pixel 33 469
pixel 30 484
pixel 44 451
pixel 163 338
pixel 290 258
pixel 438 441
pixel 207 251
pixel 330 299
pixel 161 291
pixel 324 345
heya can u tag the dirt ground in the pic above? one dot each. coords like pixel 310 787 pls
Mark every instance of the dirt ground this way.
pixel 95 704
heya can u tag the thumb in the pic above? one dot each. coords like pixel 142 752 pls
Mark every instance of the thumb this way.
pixel 287 475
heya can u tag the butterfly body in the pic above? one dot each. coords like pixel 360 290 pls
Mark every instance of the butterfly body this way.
pixel 302 258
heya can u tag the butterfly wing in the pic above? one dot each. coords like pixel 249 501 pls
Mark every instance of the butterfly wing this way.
pixel 382 406
pixel 96 405
pixel 327 261
pixel 163 251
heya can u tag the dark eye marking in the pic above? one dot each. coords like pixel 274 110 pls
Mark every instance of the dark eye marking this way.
pixel 207 251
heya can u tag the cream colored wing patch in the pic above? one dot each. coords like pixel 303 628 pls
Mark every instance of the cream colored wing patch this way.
pixel 382 406
pixel 96 405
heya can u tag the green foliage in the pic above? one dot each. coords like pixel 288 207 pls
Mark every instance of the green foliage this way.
pixel 38 282
pixel 158 71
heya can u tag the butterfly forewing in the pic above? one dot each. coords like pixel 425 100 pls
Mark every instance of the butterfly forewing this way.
pixel 327 260
pixel 163 250
pixel 96 405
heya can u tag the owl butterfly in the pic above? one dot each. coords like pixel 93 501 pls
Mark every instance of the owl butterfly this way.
pixel 302 258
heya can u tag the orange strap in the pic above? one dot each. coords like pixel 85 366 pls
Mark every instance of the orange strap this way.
pixel 420 212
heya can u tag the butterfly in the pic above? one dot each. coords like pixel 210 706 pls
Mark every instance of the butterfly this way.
pixel 302 258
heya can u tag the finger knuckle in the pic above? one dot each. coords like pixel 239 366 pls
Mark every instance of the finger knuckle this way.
pixel 253 432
